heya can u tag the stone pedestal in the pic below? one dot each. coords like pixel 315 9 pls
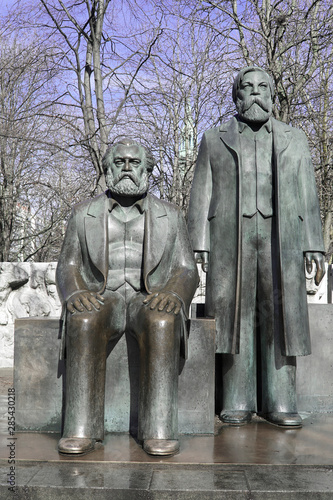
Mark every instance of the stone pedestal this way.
pixel 38 376
pixel 38 380
pixel 315 372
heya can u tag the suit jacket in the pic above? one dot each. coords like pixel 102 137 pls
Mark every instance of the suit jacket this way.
pixel 215 225
pixel 168 258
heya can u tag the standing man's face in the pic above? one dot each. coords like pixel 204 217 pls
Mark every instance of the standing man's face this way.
pixel 126 174
pixel 254 100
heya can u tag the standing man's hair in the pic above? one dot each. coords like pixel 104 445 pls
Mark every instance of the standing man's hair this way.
pixel 240 76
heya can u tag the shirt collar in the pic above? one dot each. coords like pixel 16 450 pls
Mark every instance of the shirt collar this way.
pixel 242 126
pixel 140 204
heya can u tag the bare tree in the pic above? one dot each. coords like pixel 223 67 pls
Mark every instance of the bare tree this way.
pixel 182 94
pixel 61 94
pixel 318 119
pixel 26 72
pixel 285 37
pixel 293 41
pixel 161 72
pixel 39 181
pixel 101 63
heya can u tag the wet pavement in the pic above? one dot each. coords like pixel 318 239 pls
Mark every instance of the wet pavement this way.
pixel 255 461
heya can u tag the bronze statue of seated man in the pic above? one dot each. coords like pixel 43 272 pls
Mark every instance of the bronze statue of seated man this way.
pixel 126 265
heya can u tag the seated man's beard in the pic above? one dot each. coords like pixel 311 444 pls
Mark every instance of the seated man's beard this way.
pixel 128 184
pixel 254 109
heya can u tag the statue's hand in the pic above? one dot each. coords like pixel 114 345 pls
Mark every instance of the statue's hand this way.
pixel 164 301
pixel 319 260
pixel 84 301
pixel 202 258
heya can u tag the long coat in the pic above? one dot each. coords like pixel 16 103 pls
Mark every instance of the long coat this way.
pixel 215 225
pixel 168 258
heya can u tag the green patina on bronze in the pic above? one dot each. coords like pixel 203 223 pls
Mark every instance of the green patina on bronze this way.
pixel 256 161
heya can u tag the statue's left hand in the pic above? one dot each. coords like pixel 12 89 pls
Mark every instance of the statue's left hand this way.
pixel 164 301
pixel 85 301
pixel 319 260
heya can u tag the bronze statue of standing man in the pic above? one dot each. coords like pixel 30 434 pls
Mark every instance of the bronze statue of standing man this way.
pixel 253 218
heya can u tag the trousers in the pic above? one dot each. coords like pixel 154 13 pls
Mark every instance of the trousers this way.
pixel 261 318
pixel 88 335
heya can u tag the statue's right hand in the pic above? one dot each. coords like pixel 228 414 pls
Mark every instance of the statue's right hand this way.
pixel 202 258
pixel 84 301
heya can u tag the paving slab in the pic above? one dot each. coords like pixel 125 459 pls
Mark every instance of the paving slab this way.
pixel 258 461
pixel 50 481
pixel 256 443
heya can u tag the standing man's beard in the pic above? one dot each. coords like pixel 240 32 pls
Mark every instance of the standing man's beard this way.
pixel 127 184
pixel 254 109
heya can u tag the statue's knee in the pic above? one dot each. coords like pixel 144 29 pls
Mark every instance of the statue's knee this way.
pixel 143 321
pixel 161 320
pixel 81 322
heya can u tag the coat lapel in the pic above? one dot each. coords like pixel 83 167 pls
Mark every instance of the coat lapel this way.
pixel 281 141
pixel 156 232
pixel 96 233
pixel 281 138
pixel 230 136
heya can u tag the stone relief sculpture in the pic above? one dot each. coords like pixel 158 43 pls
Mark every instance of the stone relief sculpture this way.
pixel 51 289
pixel 37 298
pixel 12 276
pixel 32 301
pixel 25 291
pixel 126 265
pixel 253 219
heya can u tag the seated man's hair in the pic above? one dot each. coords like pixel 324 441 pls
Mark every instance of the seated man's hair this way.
pixel 150 161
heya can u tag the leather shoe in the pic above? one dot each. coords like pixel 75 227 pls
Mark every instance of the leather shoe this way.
pixel 162 447
pixel 284 419
pixel 76 446
pixel 236 417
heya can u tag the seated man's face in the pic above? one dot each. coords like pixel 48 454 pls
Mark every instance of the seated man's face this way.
pixel 126 174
